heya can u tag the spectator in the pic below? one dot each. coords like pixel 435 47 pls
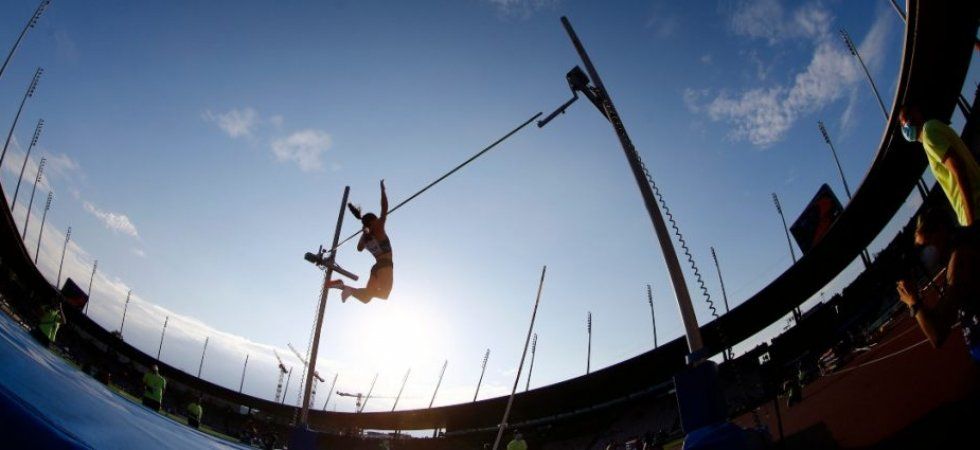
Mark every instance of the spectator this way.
pixel 154 385
pixel 194 413
pixel 52 317
pixel 517 443
pixel 958 300
pixel 950 160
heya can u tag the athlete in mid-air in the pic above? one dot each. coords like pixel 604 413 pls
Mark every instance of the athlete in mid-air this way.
pixel 375 240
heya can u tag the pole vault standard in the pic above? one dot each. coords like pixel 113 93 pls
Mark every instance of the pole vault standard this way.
pixel 597 94
pixel 324 292
pixel 517 378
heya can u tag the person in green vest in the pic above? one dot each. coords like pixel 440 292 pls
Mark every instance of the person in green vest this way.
pixel 194 413
pixel 950 160
pixel 517 443
pixel 155 385
pixel 52 317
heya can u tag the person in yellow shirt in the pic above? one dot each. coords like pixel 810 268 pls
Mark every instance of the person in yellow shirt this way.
pixel 950 161
pixel 194 413
pixel 52 317
pixel 155 385
pixel 517 443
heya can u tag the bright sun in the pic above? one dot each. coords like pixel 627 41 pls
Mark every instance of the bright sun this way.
pixel 397 337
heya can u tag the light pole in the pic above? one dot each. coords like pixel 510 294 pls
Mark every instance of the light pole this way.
pixel 29 93
pixel 530 370
pixel 865 257
pixel 30 24
pixel 27 157
pixel 854 51
pixel 588 353
pixel 242 383
pixel 653 316
pixel 401 389
pixel 792 253
pixel 125 309
pixel 63 251
pixel 95 266
pixel 724 294
pixel 483 370
pixel 203 352
pixel 162 334
pixel 329 394
pixel 439 383
pixel 47 206
pixel 30 205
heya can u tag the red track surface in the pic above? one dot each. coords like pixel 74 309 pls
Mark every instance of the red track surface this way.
pixel 882 391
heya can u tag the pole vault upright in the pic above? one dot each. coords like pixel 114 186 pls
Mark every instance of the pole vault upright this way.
pixel 601 100
pixel 328 274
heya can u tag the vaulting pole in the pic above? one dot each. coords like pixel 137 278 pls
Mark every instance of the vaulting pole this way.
pixel 517 379
pixel 314 350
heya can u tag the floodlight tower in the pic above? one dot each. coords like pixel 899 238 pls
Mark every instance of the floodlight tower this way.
pixel 30 24
pixel 63 251
pixel 588 357
pixel 27 157
pixel 40 234
pixel 125 309
pixel 282 374
pixel 31 88
pixel 95 266
pixel 483 370
pixel 530 370
pixel 30 203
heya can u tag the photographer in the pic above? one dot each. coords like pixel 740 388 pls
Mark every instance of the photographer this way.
pixel 943 243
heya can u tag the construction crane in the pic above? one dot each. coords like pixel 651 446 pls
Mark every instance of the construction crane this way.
pixel 282 373
pixel 316 374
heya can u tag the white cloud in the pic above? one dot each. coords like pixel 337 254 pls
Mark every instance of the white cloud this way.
pixel 706 58
pixel 139 252
pixel 114 221
pixel 763 115
pixel 305 148
pixel 236 123
pixel 766 19
pixel 522 9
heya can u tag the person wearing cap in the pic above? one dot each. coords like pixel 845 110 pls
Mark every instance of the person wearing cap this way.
pixel 155 385
pixel 517 443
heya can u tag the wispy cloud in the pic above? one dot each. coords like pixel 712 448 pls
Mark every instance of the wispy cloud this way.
pixel 139 252
pixel 521 9
pixel 236 123
pixel 114 221
pixel 763 115
pixel 305 148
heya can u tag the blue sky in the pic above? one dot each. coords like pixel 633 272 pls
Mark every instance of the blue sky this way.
pixel 198 149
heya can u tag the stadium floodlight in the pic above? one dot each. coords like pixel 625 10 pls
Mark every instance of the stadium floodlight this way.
pixel 826 138
pixel 439 383
pixel 401 389
pixel 27 157
pixel 30 203
pixel 653 316
pixel 47 206
pixel 796 311
pixel 31 88
pixel 30 24
pixel 125 309
pixel 854 51
pixel 162 334
pixel 95 266
pixel 530 370
pixel 242 383
pixel 588 353
pixel 203 352
pixel 63 251
pixel 724 295
pixel 483 370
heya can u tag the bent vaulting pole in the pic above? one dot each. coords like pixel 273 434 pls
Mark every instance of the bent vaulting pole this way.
pixel 311 367
pixel 693 332
pixel 517 379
